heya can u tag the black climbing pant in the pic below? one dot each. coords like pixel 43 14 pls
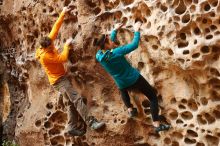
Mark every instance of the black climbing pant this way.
pixel 144 87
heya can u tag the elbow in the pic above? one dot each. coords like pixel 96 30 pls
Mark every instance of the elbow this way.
pixel 135 45
pixel 62 60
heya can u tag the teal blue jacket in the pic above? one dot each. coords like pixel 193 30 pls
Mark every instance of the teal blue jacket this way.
pixel 115 63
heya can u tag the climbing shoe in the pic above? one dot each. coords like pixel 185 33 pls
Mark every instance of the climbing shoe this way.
pixel 162 127
pixel 94 124
pixel 133 113
pixel 76 132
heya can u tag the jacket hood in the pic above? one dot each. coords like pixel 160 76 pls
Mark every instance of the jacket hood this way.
pixel 101 55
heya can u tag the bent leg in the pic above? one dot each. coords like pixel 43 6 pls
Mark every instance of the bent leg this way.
pixel 71 111
pixel 148 91
pixel 77 100
pixel 126 98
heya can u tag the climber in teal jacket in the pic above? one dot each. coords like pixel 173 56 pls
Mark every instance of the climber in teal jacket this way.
pixel 112 58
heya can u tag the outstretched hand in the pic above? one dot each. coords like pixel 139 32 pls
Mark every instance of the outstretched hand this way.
pixel 118 26
pixel 69 41
pixel 137 26
pixel 66 9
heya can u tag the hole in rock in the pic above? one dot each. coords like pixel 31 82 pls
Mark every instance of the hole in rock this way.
pixel 188 2
pixel 183 36
pixel 56 130
pixel 147 111
pixel 213 27
pixel 196 55
pixel 148 24
pixel 201 120
pixel 186 115
pixel 192 105
pixel 155 47
pixel 127 2
pixel 205 49
pixel 195 41
pixel 204 21
pixel 214 3
pixel 183 44
pixel 181 8
pixel 200 144
pixel 170 52
pixel 47 125
pixel 197 31
pixel 173 115
pixel 122 121
pixel 57 140
pixel 209 118
pixel 212 14
pixel 216 113
pixel 44 10
pixel 51 9
pixel 186 18
pixel 212 140
pixel 176 18
pixel 195 1
pixel 204 101
pixel 215 49
pixel 175 143
pixel 38 123
pixel 214 71
pixel 177 135
pixel 189 141
pixel 90 4
pixel 192 133
pixel 184 101
pixel 163 8
pixel 118 15
pixel 207 30
pixel 192 8
pixel 181 60
pixel 97 10
pixel 49 105
pixel 215 96
pixel 208 37
pixel 207 7
pixel 173 100
pixel 185 52
pixel 179 121
pixel 146 103
pixel 181 106
pixel 140 65
pixel 167 140
pixel 58 117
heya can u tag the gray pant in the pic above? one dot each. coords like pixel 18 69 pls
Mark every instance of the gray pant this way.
pixel 74 102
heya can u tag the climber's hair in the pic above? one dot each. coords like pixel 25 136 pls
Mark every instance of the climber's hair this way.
pixel 100 42
pixel 45 42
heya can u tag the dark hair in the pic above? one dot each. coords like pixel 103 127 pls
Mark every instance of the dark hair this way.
pixel 45 42
pixel 101 41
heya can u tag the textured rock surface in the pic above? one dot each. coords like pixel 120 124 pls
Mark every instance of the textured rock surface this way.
pixel 178 54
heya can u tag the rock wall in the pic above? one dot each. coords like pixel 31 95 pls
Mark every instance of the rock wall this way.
pixel 178 54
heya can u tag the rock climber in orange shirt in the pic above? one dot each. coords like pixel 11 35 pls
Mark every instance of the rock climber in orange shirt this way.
pixel 53 64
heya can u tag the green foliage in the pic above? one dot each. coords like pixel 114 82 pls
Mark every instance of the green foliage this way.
pixel 9 143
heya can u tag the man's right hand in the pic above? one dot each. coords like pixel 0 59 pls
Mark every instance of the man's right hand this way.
pixel 66 9
pixel 69 42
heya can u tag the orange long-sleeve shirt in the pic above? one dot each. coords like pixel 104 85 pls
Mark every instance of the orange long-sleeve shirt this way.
pixel 50 59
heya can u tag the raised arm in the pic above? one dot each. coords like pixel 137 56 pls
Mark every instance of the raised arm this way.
pixel 114 32
pixel 113 35
pixel 62 57
pixel 58 23
pixel 123 50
